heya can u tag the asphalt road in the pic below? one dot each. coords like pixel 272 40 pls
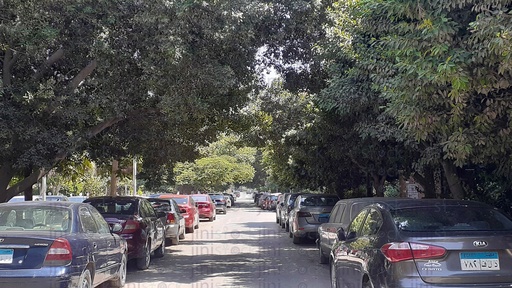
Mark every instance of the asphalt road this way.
pixel 244 248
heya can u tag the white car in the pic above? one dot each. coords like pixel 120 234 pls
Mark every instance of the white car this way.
pixel 228 201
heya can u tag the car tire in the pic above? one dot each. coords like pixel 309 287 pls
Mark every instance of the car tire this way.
pixel 182 236
pixel 283 225
pixel 296 240
pixel 143 262
pixel 277 220
pixel 211 219
pixel 160 251
pixel 85 279
pixel 189 229
pixel 323 258
pixel 175 241
pixel 367 284
pixel 120 280
pixel 287 227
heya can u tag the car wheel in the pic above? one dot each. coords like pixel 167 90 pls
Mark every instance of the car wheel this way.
pixel 120 280
pixel 211 219
pixel 143 262
pixel 189 229
pixel 197 223
pixel 287 227
pixel 367 284
pixel 175 241
pixel 323 259
pixel 160 251
pixel 182 236
pixel 283 225
pixel 296 240
pixel 277 220
pixel 85 279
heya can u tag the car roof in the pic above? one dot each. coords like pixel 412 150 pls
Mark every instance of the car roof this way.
pixel 41 203
pixel 401 203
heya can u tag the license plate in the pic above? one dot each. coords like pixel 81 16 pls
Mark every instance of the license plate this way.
pixel 474 261
pixel 6 256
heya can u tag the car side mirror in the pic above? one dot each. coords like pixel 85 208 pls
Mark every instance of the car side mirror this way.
pixel 340 234
pixel 116 228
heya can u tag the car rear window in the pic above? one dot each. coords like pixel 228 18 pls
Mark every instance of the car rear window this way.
pixel 40 218
pixel 200 198
pixel 122 207
pixel 218 197
pixel 180 200
pixel 318 201
pixel 450 218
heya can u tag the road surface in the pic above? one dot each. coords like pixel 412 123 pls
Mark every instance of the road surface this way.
pixel 244 248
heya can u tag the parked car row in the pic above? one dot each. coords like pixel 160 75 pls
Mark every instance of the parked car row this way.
pixel 64 243
pixel 402 242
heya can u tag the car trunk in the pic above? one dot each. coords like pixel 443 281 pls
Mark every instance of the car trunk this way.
pixel 315 214
pixel 25 252
pixel 478 258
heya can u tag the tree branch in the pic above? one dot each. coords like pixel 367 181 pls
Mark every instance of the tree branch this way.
pixel 57 55
pixel 82 75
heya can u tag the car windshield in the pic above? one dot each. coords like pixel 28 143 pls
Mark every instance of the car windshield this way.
pixel 200 198
pixel 122 207
pixel 450 218
pixel 318 200
pixel 40 218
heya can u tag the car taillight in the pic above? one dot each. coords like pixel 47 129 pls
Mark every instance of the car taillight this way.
pixel 303 214
pixel 59 253
pixel 130 226
pixel 402 251
pixel 171 219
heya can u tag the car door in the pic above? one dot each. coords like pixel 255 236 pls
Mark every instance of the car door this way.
pixel 98 248
pixel 179 216
pixel 360 245
pixel 113 243
pixel 330 228
pixel 155 228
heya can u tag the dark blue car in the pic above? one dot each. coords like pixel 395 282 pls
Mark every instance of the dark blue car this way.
pixel 59 244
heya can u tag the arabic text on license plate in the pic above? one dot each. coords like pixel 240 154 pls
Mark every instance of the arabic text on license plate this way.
pixel 6 256
pixel 479 261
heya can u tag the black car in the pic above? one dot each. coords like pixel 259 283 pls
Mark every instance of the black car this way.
pixel 143 227
pixel 220 203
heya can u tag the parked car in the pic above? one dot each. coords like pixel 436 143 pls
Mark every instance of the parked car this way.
pixel 188 209
pixel 174 222
pixel 343 212
pixel 424 243
pixel 220 203
pixel 64 244
pixel 270 202
pixel 231 197
pixel 288 206
pixel 228 201
pixel 309 211
pixel 279 206
pixel 143 227
pixel 206 206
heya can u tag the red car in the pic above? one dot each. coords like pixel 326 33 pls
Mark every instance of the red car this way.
pixel 188 209
pixel 205 205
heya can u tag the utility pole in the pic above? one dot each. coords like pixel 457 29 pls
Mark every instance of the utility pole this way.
pixel 113 178
pixel 134 175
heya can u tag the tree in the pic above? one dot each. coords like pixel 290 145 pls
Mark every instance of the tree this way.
pixel 123 78
pixel 223 164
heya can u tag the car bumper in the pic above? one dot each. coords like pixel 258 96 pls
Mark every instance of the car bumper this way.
pixel 306 230
pixel 172 231
pixel 206 213
pixel 47 277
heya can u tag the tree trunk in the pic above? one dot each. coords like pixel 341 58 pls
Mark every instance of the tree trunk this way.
pixel 29 191
pixel 450 170
pixel 427 182
pixel 369 186
pixel 378 184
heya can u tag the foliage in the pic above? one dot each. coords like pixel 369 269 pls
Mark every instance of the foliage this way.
pixel 223 164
